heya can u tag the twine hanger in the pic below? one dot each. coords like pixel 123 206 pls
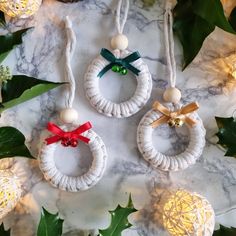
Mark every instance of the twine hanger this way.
pixel 120 24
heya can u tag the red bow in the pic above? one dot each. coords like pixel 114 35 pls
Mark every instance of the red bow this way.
pixel 68 138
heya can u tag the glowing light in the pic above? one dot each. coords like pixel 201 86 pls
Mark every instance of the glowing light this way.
pixel 20 8
pixel 234 71
pixel 186 213
pixel 10 192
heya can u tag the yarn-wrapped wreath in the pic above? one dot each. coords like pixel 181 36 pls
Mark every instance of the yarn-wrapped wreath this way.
pixel 124 109
pixel 74 183
pixel 164 162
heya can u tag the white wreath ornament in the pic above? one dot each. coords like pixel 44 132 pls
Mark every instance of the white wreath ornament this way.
pixel 72 183
pixel 165 162
pixel 111 109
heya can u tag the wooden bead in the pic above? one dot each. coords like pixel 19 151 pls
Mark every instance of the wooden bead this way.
pixel 68 115
pixel 172 95
pixel 120 42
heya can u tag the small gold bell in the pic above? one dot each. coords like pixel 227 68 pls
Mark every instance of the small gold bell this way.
pixel 178 122
pixel 171 122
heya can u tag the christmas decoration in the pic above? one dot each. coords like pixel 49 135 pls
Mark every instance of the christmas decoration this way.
pixel 120 60
pixel 12 143
pixel 186 213
pixel 174 114
pixel 119 220
pixel 20 9
pixel 224 231
pixel 69 135
pixel 227 134
pixel 10 192
pixel 50 224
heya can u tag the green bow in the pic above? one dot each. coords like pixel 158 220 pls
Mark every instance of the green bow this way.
pixel 124 62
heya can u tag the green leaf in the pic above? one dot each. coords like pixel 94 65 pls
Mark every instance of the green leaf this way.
pixel 232 18
pixel 216 16
pixel 12 143
pixel 50 224
pixel 224 231
pixel 227 134
pixel 3 232
pixel 2 19
pixel 9 41
pixel 22 88
pixel 194 21
pixel 119 220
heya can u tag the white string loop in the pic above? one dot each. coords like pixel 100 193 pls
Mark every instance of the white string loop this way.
pixel 121 24
pixel 169 43
pixel 70 49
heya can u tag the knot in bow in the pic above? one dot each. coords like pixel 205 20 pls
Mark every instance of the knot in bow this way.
pixel 124 62
pixel 69 138
pixel 175 118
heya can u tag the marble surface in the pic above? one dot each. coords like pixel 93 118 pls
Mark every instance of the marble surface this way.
pixel 206 80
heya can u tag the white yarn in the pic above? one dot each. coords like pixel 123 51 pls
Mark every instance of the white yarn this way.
pixel 165 162
pixel 46 156
pixel 121 24
pixel 169 43
pixel 124 109
pixel 71 183
pixel 70 49
pixel 145 129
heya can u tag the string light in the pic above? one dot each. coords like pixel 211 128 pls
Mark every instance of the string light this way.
pixel 20 8
pixel 10 192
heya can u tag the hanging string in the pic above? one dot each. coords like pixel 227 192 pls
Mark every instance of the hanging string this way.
pixel 121 24
pixel 70 48
pixel 169 43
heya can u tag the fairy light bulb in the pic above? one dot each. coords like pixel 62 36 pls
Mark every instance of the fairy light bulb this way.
pixel 10 192
pixel 188 214
pixel 20 8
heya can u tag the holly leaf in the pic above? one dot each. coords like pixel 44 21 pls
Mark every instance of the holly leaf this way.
pixel 193 24
pixel 217 17
pixel 2 19
pixel 22 88
pixel 10 41
pixel 4 232
pixel 232 18
pixel 227 134
pixel 119 220
pixel 12 143
pixel 224 231
pixel 50 224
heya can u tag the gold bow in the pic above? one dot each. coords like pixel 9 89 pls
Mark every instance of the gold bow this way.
pixel 175 118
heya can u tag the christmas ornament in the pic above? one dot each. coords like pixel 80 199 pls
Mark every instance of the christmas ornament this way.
pixel 186 214
pixel 20 8
pixel 71 134
pixel 120 60
pixel 172 113
pixel 10 192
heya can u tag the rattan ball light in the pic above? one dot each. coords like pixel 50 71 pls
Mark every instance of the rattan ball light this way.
pixel 20 8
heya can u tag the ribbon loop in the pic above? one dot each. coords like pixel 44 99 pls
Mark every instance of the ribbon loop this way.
pixel 175 118
pixel 124 62
pixel 69 138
